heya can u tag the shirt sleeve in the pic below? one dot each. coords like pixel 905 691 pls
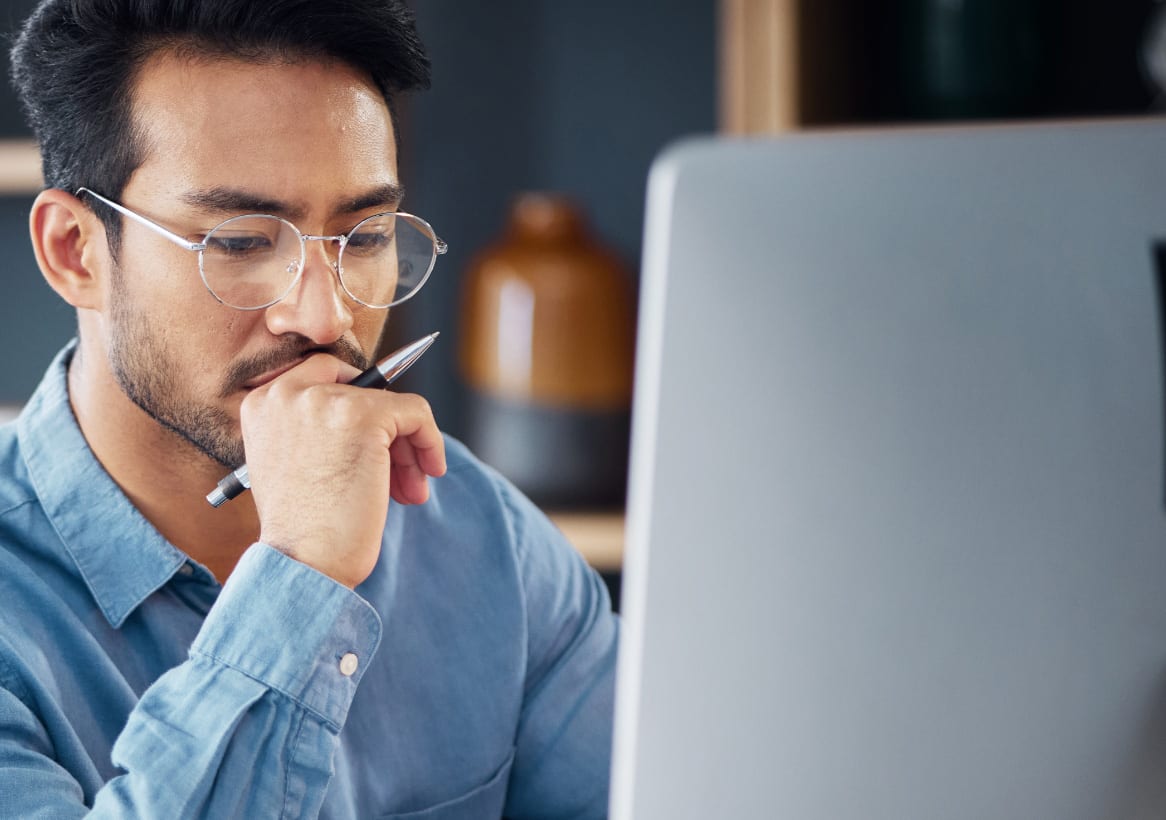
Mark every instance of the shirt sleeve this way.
pixel 563 756
pixel 246 727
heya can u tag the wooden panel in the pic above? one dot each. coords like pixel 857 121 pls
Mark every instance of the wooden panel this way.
pixel 759 86
pixel 20 167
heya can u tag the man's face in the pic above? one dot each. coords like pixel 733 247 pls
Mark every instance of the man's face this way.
pixel 311 142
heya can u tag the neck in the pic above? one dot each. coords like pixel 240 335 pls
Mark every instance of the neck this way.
pixel 162 474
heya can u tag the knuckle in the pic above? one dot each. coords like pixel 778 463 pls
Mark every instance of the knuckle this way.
pixel 317 402
pixel 420 405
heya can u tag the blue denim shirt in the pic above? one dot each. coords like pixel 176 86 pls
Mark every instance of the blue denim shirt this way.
pixel 470 676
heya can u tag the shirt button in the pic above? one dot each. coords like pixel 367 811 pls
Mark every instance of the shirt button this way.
pixel 348 664
pixel 186 569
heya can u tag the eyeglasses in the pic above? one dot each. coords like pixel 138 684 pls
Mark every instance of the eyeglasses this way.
pixel 250 262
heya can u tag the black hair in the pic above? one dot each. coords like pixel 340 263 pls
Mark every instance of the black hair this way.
pixel 75 61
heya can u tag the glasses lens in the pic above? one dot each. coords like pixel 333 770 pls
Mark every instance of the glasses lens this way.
pixel 387 259
pixel 251 261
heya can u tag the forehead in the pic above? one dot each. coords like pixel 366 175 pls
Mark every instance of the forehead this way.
pixel 287 129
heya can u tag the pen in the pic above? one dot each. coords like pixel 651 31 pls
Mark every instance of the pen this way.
pixel 380 375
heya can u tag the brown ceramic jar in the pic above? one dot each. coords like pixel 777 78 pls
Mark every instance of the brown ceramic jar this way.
pixel 546 349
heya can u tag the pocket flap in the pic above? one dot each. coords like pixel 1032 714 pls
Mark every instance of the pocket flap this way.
pixel 485 801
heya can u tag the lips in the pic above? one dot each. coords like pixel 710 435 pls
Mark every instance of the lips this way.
pixel 259 369
pixel 270 375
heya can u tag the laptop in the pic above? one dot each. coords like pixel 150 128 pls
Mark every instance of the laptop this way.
pixel 897 508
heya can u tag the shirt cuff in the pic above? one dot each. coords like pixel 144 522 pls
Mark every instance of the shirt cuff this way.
pixel 294 629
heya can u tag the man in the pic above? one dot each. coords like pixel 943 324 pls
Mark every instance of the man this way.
pixel 309 648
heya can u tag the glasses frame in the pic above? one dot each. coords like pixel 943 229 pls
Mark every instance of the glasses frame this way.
pixel 439 248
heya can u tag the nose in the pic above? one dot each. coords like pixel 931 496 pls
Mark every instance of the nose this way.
pixel 317 306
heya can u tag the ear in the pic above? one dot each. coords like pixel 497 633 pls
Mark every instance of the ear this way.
pixel 70 246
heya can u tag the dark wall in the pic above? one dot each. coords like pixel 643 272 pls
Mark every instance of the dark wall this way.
pixel 34 322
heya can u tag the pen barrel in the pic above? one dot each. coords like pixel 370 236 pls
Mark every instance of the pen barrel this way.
pixel 370 378
pixel 228 487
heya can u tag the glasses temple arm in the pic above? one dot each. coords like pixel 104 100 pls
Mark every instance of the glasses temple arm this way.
pixel 144 222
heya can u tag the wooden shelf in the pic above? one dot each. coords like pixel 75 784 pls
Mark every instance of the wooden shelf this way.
pixel 599 536
pixel 20 171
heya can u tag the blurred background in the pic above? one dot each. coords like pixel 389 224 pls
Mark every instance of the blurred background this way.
pixel 573 100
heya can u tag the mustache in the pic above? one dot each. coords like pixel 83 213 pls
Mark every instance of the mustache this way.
pixel 291 348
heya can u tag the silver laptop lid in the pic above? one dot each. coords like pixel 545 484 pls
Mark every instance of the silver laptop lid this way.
pixel 897 536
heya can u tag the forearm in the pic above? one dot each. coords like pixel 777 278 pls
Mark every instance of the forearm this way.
pixel 246 727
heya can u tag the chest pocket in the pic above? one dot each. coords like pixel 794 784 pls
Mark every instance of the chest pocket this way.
pixel 484 802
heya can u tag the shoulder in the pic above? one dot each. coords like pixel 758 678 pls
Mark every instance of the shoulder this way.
pixel 475 493
pixel 28 542
pixel 463 465
pixel 476 507
pixel 15 487
pixel 24 592
pixel 485 525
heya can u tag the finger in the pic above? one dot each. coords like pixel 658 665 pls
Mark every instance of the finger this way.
pixel 417 440
pixel 322 368
pixel 409 481
pixel 408 485
pixel 319 368
pixel 420 450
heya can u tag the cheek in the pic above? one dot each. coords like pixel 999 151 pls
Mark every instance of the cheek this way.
pixel 367 326
pixel 210 339
pixel 163 282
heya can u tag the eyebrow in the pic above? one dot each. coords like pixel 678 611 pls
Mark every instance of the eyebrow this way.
pixel 227 201
pixel 387 195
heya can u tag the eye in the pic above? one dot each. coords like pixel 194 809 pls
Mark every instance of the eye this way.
pixel 238 244
pixel 373 236
pixel 369 240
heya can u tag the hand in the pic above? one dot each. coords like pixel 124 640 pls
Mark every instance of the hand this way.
pixel 324 459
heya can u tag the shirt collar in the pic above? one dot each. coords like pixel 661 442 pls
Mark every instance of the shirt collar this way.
pixel 122 558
